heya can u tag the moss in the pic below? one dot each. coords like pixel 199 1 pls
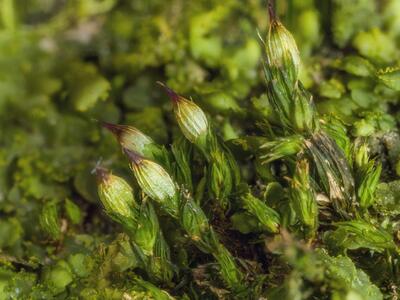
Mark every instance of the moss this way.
pixel 65 65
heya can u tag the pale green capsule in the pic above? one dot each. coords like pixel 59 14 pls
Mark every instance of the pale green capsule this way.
pixel 281 48
pixel 130 137
pixel 190 117
pixel 154 181
pixel 115 194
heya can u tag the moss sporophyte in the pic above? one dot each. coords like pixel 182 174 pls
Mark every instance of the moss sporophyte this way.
pixel 139 221
pixel 191 119
pixel 259 169
pixel 158 185
pixel 315 151
pixel 129 137
pixel 224 175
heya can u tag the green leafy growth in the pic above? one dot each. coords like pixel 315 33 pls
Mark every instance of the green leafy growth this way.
pixel 346 279
pixel 367 174
pixel 87 87
pixel 50 220
pixel 390 77
pixel 73 212
pixel 337 276
pixel 388 198
pixel 303 198
pixel 348 20
pixel 352 235
pixel 267 216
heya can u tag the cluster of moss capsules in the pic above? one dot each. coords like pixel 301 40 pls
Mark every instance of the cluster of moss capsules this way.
pixel 329 179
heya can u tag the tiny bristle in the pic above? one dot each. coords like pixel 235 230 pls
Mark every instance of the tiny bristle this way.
pixel 170 92
pixel 113 128
pixel 102 174
pixel 271 12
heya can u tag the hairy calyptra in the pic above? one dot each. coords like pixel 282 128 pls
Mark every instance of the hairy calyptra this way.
pixel 223 170
pixel 190 117
pixel 281 48
pixel 154 180
pixel 130 137
pixel 115 194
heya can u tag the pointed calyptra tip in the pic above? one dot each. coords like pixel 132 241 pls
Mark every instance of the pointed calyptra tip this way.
pixel 133 156
pixel 102 174
pixel 113 128
pixel 271 12
pixel 170 92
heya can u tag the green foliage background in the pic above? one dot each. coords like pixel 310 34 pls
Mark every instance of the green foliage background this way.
pixel 65 64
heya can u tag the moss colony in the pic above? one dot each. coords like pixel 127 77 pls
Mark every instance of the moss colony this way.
pixel 199 149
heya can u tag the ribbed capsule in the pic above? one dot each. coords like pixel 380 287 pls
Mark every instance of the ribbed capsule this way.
pixel 190 117
pixel 115 194
pixel 281 48
pixel 129 137
pixel 154 180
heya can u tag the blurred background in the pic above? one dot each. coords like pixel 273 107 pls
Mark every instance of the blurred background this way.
pixel 65 64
